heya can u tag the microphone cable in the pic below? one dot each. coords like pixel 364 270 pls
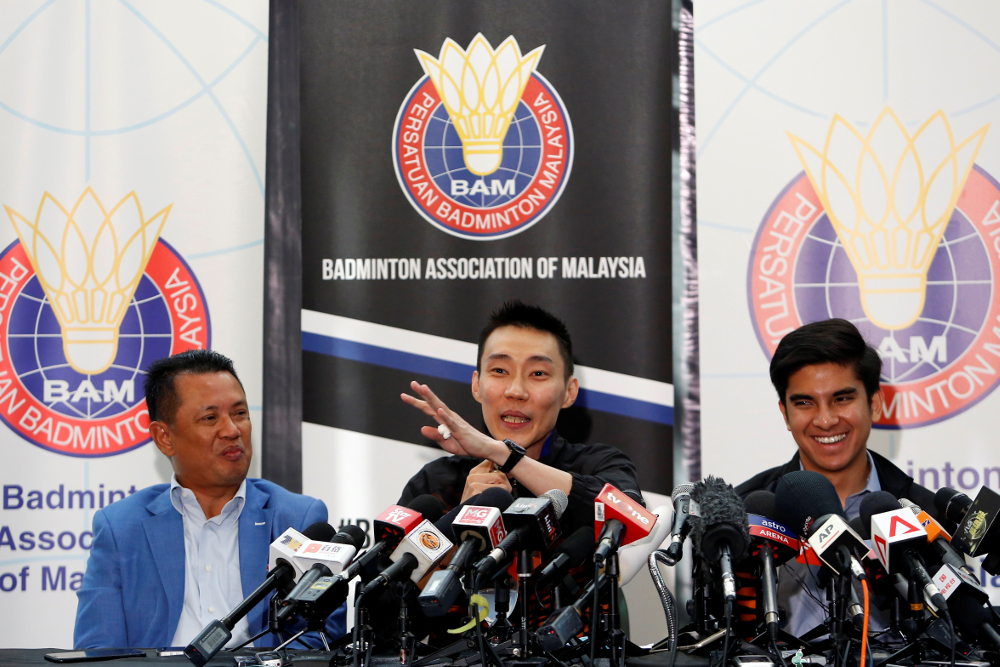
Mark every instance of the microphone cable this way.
pixel 864 624
pixel 475 619
pixel 593 615
pixel 666 599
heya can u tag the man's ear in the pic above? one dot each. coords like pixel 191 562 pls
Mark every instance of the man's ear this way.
pixel 784 414
pixel 878 403
pixel 160 433
pixel 475 387
pixel 572 389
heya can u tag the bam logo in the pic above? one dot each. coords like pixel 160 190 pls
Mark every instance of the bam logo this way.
pixel 482 144
pixel 90 296
pixel 897 233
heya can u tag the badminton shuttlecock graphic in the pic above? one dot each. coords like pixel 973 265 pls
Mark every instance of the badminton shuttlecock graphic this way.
pixel 89 261
pixel 889 195
pixel 481 88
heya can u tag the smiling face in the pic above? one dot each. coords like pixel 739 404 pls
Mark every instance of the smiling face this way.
pixel 830 417
pixel 522 385
pixel 208 439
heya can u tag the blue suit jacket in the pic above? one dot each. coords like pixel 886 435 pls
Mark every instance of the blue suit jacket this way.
pixel 133 590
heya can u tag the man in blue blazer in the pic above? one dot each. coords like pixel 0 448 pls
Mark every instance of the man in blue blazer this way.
pixel 170 557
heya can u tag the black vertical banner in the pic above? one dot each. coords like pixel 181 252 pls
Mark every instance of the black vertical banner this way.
pixel 456 155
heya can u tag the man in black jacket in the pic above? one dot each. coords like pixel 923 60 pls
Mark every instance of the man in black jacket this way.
pixel 827 379
pixel 523 378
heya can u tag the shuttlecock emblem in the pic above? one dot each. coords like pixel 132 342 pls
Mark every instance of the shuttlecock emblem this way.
pixel 89 260
pixel 889 195
pixel 481 88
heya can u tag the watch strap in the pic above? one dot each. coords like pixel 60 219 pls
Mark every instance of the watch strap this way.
pixel 516 454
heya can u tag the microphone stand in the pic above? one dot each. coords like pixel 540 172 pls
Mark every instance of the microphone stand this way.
pixel 524 569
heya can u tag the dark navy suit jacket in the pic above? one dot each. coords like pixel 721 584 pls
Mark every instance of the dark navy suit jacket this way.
pixel 133 590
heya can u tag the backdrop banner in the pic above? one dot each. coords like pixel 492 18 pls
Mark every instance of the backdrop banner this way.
pixel 457 155
pixel 846 169
pixel 132 228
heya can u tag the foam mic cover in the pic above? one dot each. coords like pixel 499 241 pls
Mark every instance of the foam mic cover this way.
pixel 860 527
pixel 952 504
pixel 493 497
pixel 723 520
pixel 803 496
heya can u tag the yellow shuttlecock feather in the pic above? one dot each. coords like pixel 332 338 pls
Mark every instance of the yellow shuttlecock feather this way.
pixel 89 261
pixel 481 88
pixel 889 195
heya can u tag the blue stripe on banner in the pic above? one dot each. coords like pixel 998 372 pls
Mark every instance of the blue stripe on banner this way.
pixel 450 370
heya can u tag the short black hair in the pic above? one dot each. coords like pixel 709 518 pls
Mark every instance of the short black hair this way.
pixel 162 400
pixel 833 341
pixel 519 314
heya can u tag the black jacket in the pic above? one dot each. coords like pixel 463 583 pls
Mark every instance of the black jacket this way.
pixel 592 466
pixel 890 478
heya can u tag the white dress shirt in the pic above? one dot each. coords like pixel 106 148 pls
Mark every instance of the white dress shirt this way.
pixel 212 583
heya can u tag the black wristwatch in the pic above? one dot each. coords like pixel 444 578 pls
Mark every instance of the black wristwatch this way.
pixel 517 452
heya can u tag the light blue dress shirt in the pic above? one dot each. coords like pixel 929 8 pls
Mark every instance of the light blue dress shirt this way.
pixel 804 612
pixel 212 584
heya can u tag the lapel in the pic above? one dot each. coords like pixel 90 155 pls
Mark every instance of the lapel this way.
pixel 255 537
pixel 165 534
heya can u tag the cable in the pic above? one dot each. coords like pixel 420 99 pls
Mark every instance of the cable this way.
pixel 725 639
pixel 954 638
pixel 666 599
pixel 593 615
pixel 479 624
pixel 864 629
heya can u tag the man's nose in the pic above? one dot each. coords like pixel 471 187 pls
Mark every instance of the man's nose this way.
pixel 228 428
pixel 516 389
pixel 825 417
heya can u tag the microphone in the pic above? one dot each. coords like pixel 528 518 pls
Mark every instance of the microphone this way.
pixel 420 550
pixel 618 520
pixel 723 533
pixel 952 504
pixel 571 552
pixel 773 544
pixel 479 528
pixel 281 576
pixel 533 524
pixel 977 534
pixel 806 501
pixel 938 537
pixel 684 508
pixel 567 622
pixel 328 593
pixel 634 557
pixel 325 559
pixel 896 536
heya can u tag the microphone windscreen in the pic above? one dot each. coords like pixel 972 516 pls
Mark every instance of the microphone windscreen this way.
pixel 495 496
pixel 877 502
pixel 559 501
pixel 951 503
pixel 350 534
pixel 761 503
pixel 723 520
pixel 860 527
pixel 320 531
pixel 578 546
pixel 429 507
pixel 801 497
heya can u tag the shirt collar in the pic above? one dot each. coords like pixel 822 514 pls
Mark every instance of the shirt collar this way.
pixel 187 503
pixel 548 445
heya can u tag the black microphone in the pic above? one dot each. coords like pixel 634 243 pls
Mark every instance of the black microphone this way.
pixel 568 621
pixel 350 535
pixel 533 524
pixel 952 504
pixel 282 577
pixel 571 553
pixel 806 501
pixel 684 508
pixel 770 542
pixel 724 532
pixel 979 531
pixel 477 524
